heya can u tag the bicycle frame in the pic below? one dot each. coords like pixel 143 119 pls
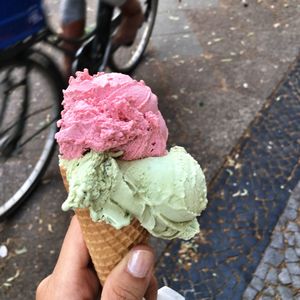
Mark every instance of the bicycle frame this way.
pixel 104 15
pixel 95 53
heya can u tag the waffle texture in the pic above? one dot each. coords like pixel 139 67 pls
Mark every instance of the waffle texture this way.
pixel 107 245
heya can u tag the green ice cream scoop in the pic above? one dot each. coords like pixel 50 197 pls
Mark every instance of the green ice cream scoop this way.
pixel 96 182
pixel 165 193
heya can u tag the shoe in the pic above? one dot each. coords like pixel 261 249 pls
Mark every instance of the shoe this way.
pixel 132 20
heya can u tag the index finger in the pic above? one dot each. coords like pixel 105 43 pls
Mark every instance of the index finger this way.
pixel 74 254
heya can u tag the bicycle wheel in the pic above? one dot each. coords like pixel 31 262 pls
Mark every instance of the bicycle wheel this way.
pixel 125 59
pixel 30 95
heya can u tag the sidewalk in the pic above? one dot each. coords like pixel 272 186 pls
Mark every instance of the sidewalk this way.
pixel 213 64
pixel 279 270
pixel 256 186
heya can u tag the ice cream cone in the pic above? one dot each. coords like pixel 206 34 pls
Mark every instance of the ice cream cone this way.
pixel 107 245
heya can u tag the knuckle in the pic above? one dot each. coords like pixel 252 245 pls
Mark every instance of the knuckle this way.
pixel 123 293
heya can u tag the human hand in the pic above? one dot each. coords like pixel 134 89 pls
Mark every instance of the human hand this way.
pixel 74 278
pixel 132 278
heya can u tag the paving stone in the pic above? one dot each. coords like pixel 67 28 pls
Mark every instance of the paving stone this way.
pixel 287 235
pixel 291 240
pixel 250 293
pixel 294 268
pixel 296 281
pixel 285 293
pixel 284 276
pixel 293 203
pixel 224 294
pixel 282 221
pixel 262 271
pixel 257 283
pixel 189 295
pixel 265 298
pixel 292 226
pixel 277 240
pixel 273 257
pixel 290 255
pixel 272 276
pixel 269 291
pixel 291 214
pixel 297 238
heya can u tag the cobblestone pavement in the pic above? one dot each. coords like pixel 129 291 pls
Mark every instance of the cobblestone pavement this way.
pixel 278 273
pixel 213 64
pixel 246 198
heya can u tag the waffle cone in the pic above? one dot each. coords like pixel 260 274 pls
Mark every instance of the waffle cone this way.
pixel 107 245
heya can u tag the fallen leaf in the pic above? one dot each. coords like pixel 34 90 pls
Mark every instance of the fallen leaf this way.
pixel 226 60
pixel 21 251
pixel 174 18
pixel 50 229
pixel 10 279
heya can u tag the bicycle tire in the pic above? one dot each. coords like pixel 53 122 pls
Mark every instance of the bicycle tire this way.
pixel 17 158
pixel 126 59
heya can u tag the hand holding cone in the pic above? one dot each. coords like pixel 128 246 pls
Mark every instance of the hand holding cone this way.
pixel 107 245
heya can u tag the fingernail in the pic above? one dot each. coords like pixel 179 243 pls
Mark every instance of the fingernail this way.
pixel 140 263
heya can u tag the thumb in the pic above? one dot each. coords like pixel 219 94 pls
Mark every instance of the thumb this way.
pixel 132 278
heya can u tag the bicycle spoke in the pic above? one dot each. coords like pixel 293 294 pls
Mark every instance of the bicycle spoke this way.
pixel 37 132
pixel 3 109
pixel 16 85
pixel 8 88
pixel 11 126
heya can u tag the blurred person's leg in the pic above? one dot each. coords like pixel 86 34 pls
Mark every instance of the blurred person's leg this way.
pixel 132 19
pixel 73 23
pixel 72 15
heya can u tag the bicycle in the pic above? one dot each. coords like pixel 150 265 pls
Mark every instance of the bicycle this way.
pixel 28 112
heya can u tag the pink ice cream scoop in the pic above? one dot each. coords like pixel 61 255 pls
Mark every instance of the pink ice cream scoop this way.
pixel 110 112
